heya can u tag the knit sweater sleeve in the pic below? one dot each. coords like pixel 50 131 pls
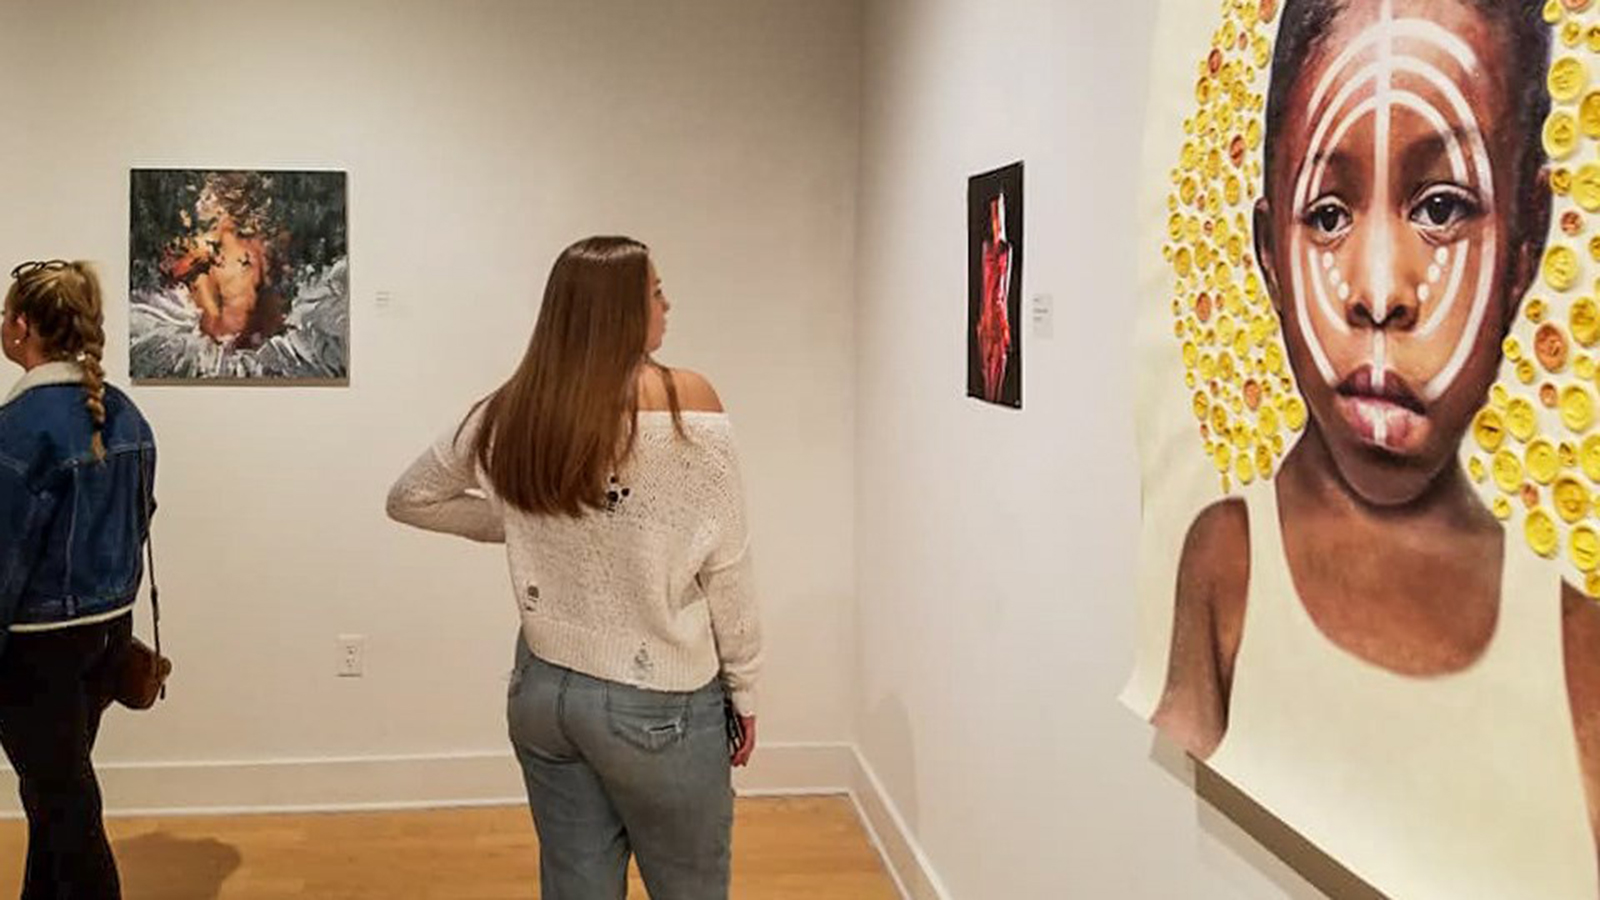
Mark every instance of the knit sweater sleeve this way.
pixel 727 580
pixel 440 492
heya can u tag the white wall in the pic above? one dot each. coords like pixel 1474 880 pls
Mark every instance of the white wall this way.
pixel 996 548
pixel 480 138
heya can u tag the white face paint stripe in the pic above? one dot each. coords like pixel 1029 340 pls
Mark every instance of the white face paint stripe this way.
pixel 1480 307
pixel 1419 29
pixel 1433 33
pixel 1458 159
pixel 1330 313
pixel 1319 135
pixel 1297 260
pixel 1488 262
pixel 1380 250
pixel 1380 357
pixel 1386 30
pixel 1381 269
pixel 1458 168
pixel 1320 171
pixel 1436 316
pixel 1463 110
pixel 1319 357
pixel 1324 305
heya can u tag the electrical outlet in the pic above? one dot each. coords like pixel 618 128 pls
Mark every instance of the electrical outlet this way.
pixel 352 655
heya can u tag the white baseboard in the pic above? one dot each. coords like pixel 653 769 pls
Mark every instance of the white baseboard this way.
pixel 334 784
pixel 393 782
pixel 355 784
pixel 798 769
pixel 902 854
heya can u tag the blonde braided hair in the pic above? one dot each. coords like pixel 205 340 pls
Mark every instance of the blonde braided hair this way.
pixel 61 303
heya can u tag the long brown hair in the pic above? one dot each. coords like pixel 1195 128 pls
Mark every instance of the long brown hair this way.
pixel 558 428
pixel 61 302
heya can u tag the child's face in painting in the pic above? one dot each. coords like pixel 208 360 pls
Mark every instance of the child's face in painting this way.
pixel 1396 233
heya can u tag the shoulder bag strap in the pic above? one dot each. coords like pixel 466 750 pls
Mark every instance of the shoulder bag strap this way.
pixel 150 553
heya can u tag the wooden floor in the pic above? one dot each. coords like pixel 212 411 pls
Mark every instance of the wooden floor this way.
pixel 783 848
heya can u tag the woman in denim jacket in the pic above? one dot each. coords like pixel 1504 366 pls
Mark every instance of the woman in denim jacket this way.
pixel 76 461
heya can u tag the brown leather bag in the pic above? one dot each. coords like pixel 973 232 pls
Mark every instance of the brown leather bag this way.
pixel 139 676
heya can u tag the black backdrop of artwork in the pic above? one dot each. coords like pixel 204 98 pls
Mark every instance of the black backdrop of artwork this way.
pixel 994 286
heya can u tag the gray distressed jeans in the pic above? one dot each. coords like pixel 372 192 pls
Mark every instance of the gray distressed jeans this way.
pixel 614 771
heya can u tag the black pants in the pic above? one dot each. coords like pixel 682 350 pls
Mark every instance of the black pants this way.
pixel 53 689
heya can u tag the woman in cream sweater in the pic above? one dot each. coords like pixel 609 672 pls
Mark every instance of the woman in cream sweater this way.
pixel 614 484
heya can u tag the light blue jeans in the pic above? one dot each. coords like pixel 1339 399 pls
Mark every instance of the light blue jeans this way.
pixel 614 771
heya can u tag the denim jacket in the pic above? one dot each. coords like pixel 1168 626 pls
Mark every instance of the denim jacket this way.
pixel 72 527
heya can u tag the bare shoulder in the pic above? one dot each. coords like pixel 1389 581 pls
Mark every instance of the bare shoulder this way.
pixel 1224 525
pixel 1580 621
pixel 1216 558
pixel 695 392
pixel 1580 626
pixel 1215 571
pixel 1208 622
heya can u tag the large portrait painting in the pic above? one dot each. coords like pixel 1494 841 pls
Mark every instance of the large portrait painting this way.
pixel 239 276
pixel 1367 353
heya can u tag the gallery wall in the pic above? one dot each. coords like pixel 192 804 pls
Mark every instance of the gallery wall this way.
pixel 995 547
pixel 480 138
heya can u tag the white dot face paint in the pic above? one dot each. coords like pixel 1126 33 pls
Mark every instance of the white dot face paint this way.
pixel 1393 238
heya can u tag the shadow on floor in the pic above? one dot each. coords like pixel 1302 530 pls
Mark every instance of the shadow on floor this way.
pixel 162 865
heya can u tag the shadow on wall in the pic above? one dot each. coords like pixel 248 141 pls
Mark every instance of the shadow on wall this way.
pixel 894 756
pixel 165 866
pixel 1249 831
